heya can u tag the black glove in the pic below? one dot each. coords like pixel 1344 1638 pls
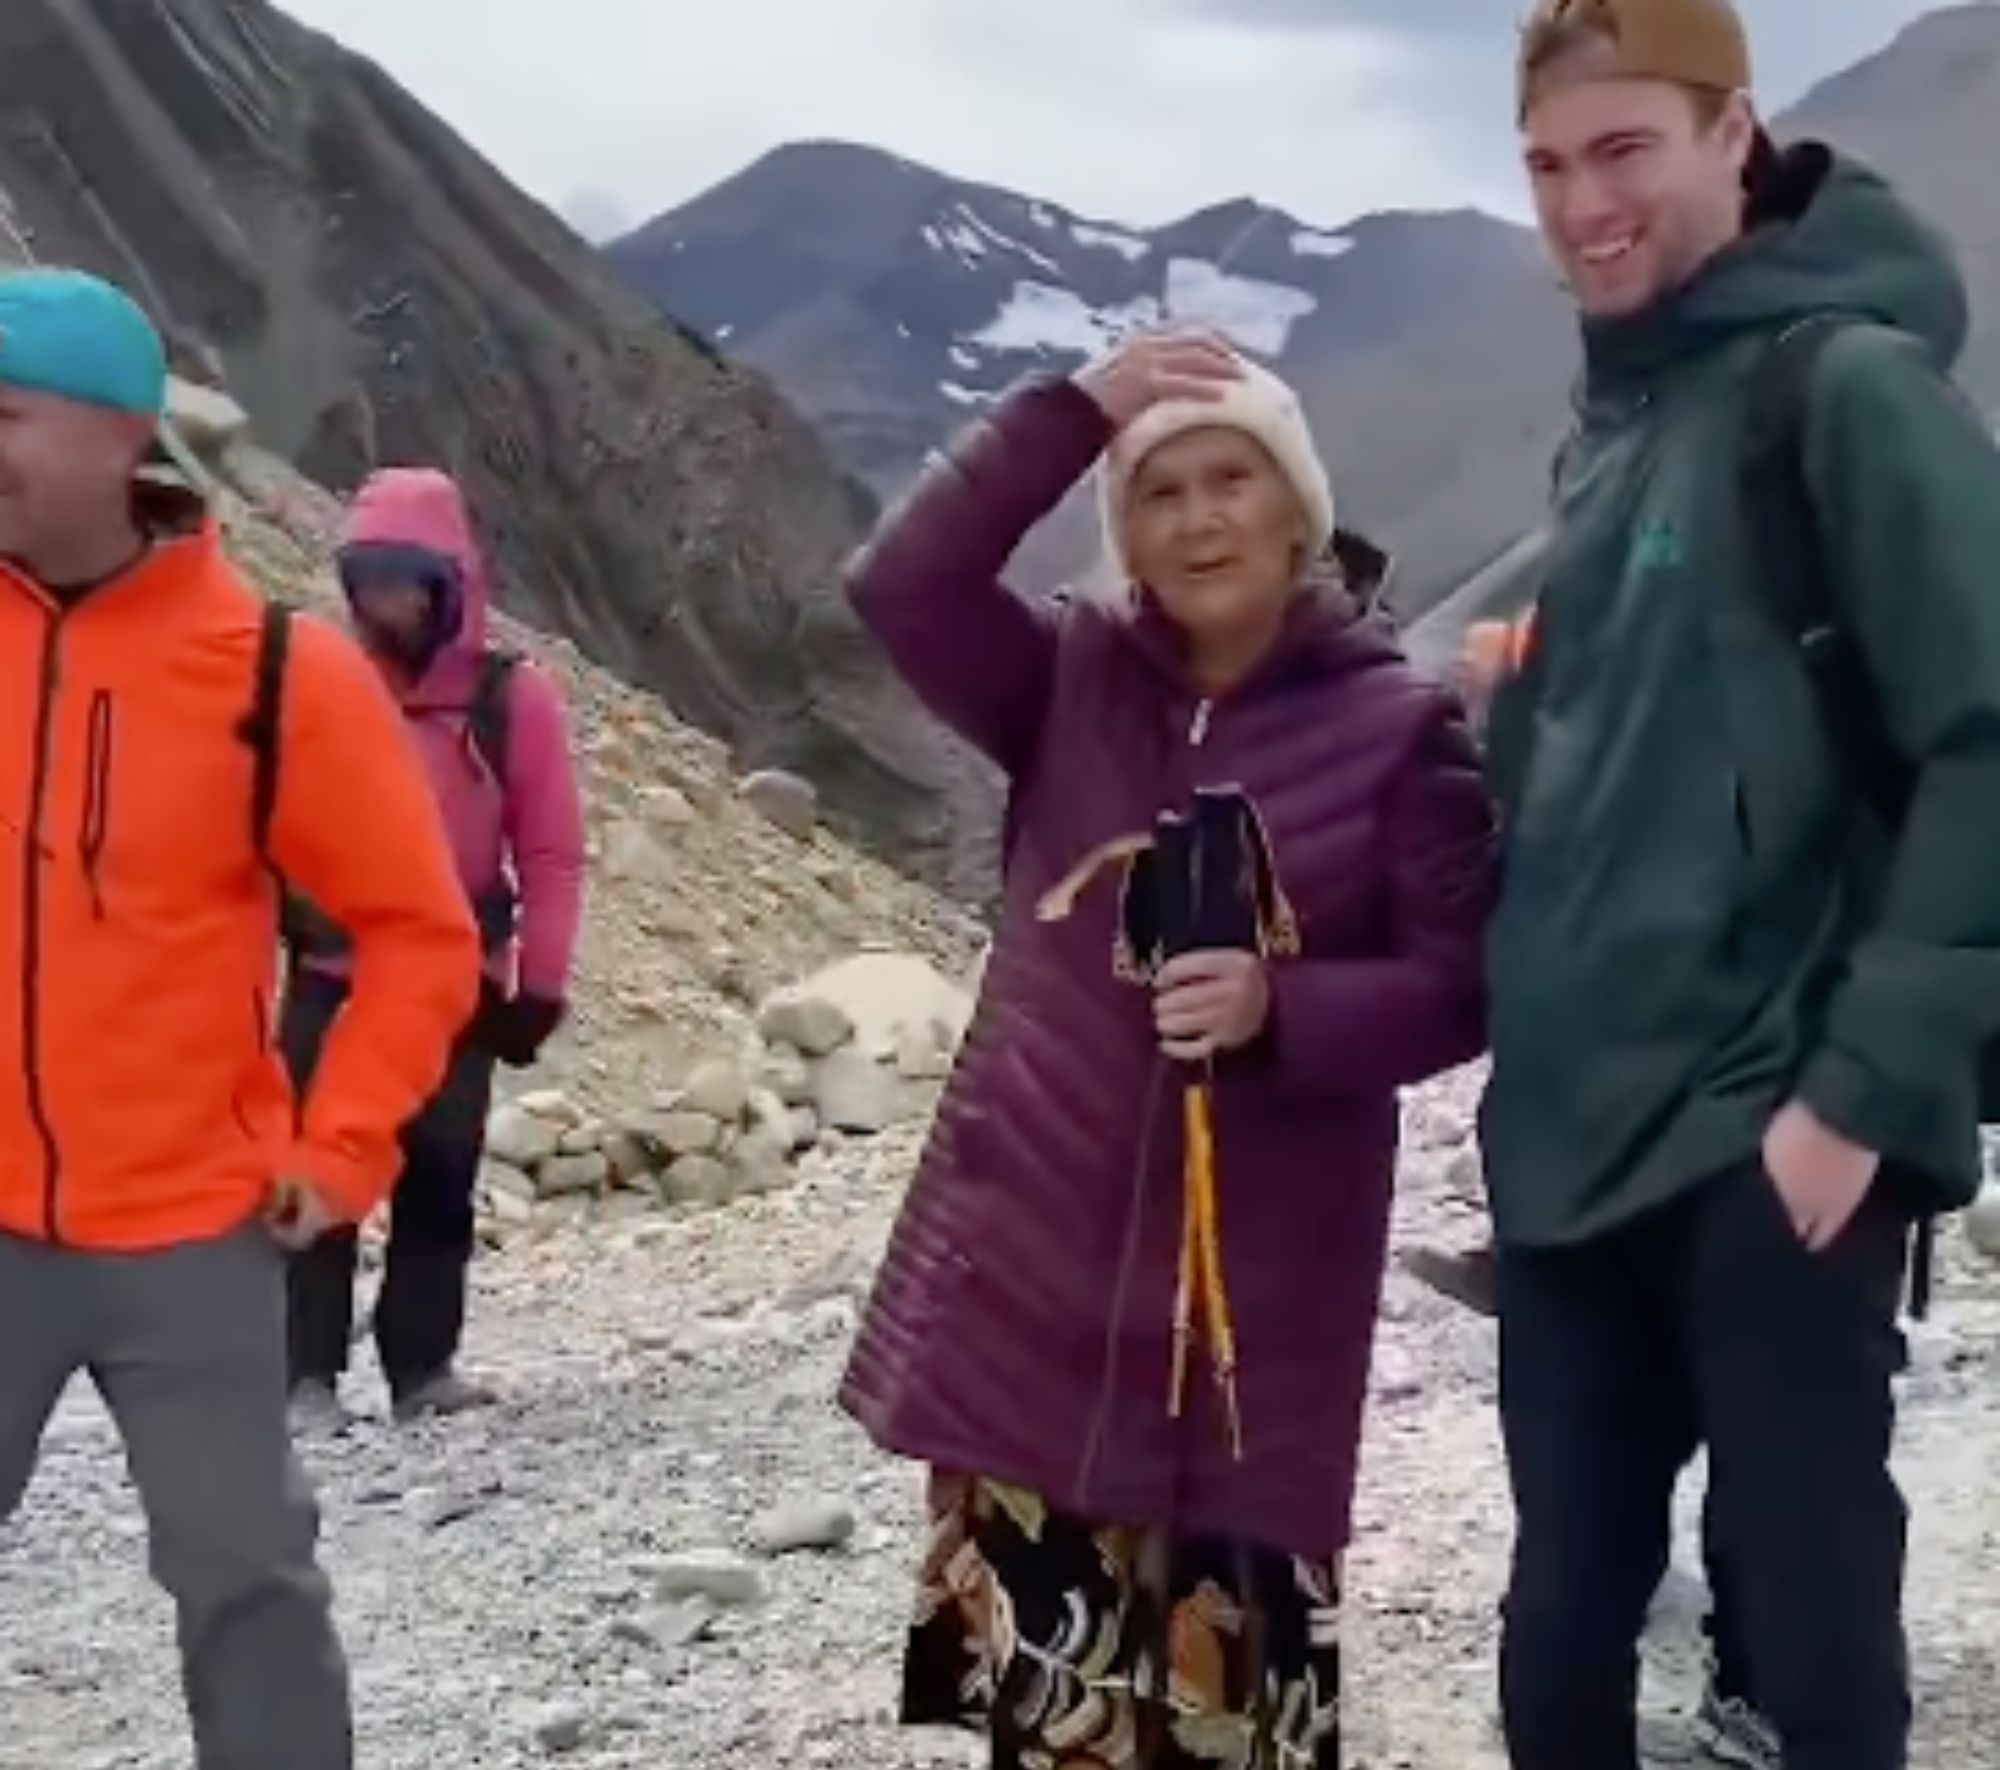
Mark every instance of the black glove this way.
pixel 514 1028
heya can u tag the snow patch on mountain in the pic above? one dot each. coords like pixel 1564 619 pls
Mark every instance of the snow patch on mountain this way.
pixel 1308 243
pixel 1110 239
pixel 1006 242
pixel 1252 313
pixel 1040 317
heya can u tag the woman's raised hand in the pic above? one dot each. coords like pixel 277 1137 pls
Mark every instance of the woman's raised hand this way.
pixel 1156 367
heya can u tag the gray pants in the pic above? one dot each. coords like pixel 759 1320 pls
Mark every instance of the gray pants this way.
pixel 187 1348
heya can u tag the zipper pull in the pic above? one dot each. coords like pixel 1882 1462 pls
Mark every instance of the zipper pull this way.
pixel 1198 730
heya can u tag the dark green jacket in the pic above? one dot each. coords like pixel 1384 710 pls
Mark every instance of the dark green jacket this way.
pixel 1697 924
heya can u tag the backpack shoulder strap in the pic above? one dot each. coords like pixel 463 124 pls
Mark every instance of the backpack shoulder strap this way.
pixel 488 715
pixel 1792 566
pixel 263 727
pixel 1793 573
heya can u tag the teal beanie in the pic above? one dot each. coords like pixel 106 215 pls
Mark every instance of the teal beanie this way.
pixel 66 333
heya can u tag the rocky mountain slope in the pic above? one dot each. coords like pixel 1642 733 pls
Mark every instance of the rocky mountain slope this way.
pixel 1433 351
pixel 373 291
pixel 700 906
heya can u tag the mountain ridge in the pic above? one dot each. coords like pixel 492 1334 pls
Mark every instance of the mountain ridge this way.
pixel 1432 349
pixel 372 290
pixel 892 301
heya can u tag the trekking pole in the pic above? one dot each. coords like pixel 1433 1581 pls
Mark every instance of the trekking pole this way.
pixel 1203 1286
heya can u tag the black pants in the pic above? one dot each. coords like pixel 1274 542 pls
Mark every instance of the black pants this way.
pixel 1731 1652
pixel 1707 1323
pixel 421 1313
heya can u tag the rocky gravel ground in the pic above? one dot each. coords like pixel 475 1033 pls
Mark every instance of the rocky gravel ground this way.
pixel 580 1576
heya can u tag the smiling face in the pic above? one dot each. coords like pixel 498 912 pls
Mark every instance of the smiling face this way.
pixel 1214 530
pixel 1637 184
pixel 65 480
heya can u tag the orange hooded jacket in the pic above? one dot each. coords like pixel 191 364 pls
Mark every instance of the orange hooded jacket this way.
pixel 142 1102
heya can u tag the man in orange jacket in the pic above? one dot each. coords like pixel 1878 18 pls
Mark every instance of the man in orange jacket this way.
pixel 152 1160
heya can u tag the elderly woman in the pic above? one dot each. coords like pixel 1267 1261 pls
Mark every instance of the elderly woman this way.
pixel 1126 1318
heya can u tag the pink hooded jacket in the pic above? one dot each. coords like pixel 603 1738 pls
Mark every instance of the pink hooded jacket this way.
pixel 532 822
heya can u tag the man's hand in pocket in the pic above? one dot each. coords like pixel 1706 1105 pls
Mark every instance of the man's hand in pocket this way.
pixel 1821 1177
pixel 298 1216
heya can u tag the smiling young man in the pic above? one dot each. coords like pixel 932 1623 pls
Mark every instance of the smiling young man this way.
pixel 1738 990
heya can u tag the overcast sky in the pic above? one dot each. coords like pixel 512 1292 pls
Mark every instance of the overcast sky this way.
pixel 1131 110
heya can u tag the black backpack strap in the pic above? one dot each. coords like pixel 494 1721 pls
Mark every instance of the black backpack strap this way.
pixel 1794 574
pixel 488 715
pixel 1923 1268
pixel 263 727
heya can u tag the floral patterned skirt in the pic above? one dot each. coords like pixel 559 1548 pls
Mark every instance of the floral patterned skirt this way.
pixel 1082 1648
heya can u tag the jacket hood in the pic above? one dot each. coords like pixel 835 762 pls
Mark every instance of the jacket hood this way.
pixel 1833 237
pixel 421 507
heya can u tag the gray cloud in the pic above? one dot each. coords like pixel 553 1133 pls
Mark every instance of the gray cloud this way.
pixel 1470 19
pixel 1796 41
pixel 1132 109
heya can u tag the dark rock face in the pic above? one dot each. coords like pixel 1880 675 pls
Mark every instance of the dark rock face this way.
pixel 375 292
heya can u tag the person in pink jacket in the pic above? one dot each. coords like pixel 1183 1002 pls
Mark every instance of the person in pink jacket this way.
pixel 493 736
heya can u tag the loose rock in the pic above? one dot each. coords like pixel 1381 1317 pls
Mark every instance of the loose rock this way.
pixel 500 1177
pixel 808 1024
pixel 883 993
pixel 717 1575
pixel 762 1159
pixel 923 1053
pixel 629 1157
pixel 682 1625
pixel 685 1133
pixel 564 1175
pixel 560 1728
pixel 698 1180
pixel 509 1210
pixel 814 1524
pixel 850 1093
pixel 718 1089
pixel 785 1073
pixel 520 1138
pixel 552 1104
pixel 789 802
pixel 1982 1224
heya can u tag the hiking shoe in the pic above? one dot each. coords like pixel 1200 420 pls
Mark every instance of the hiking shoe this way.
pixel 1730 1731
pixel 441 1397
pixel 317 1410
pixel 1469 1280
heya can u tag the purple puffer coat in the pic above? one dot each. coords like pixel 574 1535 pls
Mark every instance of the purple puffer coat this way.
pixel 1022 1325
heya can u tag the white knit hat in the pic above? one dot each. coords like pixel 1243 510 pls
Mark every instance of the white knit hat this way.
pixel 1259 405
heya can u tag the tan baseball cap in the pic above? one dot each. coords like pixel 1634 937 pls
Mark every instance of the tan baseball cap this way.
pixel 1691 42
